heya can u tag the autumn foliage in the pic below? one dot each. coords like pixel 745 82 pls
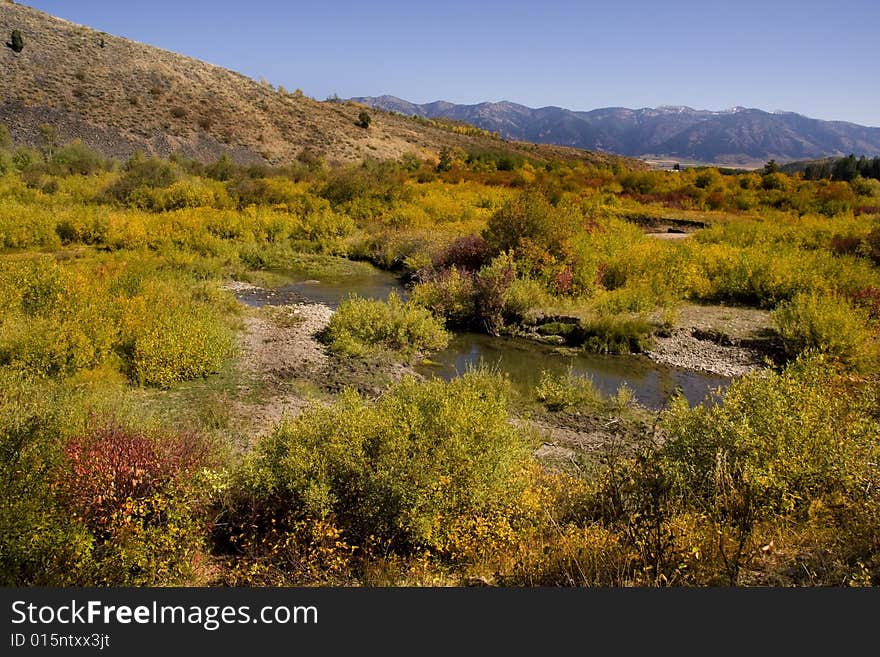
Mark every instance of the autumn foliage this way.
pixel 111 469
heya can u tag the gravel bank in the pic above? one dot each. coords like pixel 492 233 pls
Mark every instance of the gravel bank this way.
pixel 694 349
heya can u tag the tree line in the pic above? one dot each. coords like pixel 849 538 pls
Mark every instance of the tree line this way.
pixel 845 168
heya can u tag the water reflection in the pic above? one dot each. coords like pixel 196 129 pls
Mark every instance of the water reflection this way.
pixel 524 361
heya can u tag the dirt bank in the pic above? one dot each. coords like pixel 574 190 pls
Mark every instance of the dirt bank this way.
pixel 275 359
pixel 284 368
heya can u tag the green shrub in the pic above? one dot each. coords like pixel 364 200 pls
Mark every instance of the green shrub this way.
pixel 76 159
pixel 491 286
pixel 561 392
pixel 485 300
pixel 523 297
pixel 449 294
pixel 830 325
pixel 23 224
pixel 786 447
pixel 536 230
pixel 361 326
pixel 24 158
pixel 6 162
pixel 158 326
pixel 39 543
pixel 615 334
pixel 142 174
pixel 178 343
pixel 398 471
pixel 189 193
pixel 55 322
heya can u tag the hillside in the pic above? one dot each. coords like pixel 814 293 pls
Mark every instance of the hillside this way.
pixel 119 96
pixel 739 136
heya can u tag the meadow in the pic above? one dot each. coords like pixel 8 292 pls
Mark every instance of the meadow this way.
pixel 121 464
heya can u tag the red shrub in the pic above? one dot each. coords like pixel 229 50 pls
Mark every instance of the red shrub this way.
pixel 465 253
pixel 869 299
pixel 562 282
pixel 112 466
pixel 842 244
pixel 679 200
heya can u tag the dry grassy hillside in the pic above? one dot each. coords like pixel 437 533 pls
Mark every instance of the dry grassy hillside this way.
pixel 119 96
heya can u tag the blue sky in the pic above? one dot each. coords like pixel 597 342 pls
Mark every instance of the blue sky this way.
pixel 816 58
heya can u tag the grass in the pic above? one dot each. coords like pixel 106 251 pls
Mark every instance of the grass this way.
pixel 283 316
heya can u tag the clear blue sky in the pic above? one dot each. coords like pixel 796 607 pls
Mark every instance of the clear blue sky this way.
pixel 816 58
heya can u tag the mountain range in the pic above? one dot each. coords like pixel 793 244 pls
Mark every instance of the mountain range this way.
pixel 739 136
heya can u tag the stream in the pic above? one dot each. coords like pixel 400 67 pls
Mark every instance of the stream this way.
pixel 522 360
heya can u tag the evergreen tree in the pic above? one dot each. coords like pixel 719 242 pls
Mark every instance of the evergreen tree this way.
pixel 845 168
pixel 16 42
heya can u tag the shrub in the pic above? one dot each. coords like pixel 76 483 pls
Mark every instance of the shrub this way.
pixel 62 318
pixel 178 344
pixel 448 294
pixel 364 119
pixel 776 446
pixel 54 323
pixel 25 158
pixel 76 159
pixel 90 502
pixel 141 501
pixel 372 183
pixel 223 168
pixel 361 326
pixel 113 467
pixel 531 226
pixel 571 556
pixel 142 173
pixel 523 297
pixel 181 194
pixel 397 472
pixel 830 325
pixel 39 544
pixel 275 191
pixel 491 286
pixel 615 334
pixel 467 253
pixel 6 163
pixel 560 392
pixel 485 300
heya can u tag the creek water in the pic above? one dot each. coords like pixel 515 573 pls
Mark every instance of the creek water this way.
pixel 522 360
pixel 367 282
